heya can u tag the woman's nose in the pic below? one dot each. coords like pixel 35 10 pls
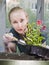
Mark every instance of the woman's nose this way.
pixel 19 25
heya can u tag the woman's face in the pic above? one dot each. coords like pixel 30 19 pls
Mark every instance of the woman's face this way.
pixel 19 21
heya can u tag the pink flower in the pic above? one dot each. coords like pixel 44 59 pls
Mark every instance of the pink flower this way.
pixel 44 27
pixel 39 22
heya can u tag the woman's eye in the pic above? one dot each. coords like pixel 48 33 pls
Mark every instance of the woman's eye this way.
pixel 21 20
pixel 15 22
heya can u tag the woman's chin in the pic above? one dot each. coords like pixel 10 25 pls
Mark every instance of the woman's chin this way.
pixel 20 32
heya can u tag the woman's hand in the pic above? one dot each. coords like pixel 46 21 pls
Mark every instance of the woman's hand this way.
pixel 9 46
pixel 8 37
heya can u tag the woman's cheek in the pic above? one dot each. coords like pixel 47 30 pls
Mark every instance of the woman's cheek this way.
pixel 25 24
pixel 14 26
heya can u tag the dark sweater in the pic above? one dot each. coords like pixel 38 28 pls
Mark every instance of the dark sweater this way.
pixel 22 48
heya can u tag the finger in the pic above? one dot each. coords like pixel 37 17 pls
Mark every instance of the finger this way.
pixel 10 50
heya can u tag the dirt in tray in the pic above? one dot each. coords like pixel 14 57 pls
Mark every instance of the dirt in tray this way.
pixel 15 56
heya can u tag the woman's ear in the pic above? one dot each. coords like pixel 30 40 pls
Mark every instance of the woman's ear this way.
pixel 27 16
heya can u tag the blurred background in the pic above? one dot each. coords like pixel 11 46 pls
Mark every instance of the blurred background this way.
pixel 36 9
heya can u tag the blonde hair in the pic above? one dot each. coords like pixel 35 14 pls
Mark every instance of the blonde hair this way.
pixel 15 9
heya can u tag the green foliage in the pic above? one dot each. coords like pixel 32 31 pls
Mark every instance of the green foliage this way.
pixel 33 35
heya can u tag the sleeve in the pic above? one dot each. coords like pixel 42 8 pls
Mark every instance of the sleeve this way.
pixel 44 34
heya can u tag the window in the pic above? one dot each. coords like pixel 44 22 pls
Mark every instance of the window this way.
pixel 46 17
pixel 36 6
pixel 32 6
pixel 48 6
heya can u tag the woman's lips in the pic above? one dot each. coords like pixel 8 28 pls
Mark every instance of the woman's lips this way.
pixel 20 29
